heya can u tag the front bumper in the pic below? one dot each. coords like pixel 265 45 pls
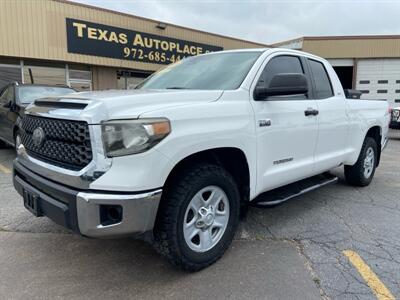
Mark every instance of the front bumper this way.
pixel 82 210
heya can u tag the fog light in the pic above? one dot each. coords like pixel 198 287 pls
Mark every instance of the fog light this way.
pixel 110 214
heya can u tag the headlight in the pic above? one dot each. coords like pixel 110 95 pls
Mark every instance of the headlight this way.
pixel 125 137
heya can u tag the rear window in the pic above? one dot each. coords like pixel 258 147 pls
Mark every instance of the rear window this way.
pixel 323 87
pixel 27 94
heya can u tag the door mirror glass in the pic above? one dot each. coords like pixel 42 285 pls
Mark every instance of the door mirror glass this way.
pixel 284 84
pixel 352 94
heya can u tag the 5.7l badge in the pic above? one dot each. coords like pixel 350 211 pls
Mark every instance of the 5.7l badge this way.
pixel 264 123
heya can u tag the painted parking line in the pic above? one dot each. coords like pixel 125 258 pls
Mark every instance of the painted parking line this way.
pixel 377 286
pixel 4 169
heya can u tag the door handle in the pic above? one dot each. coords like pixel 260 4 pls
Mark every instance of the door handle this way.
pixel 311 112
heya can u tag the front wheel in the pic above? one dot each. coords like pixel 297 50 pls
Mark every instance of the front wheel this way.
pixel 362 172
pixel 198 217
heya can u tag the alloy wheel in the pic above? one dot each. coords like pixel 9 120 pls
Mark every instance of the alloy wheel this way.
pixel 369 162
pixel 206 219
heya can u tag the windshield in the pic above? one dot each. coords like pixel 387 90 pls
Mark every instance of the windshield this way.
pixel 27 94
pixel 219 71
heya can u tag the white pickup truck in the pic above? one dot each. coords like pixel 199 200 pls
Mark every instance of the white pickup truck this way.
pixel 181 155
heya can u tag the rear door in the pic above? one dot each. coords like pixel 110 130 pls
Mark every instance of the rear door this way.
pixel 332 117
pixel 286 137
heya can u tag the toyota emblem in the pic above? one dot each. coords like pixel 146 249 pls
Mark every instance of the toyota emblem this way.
pixel 38 137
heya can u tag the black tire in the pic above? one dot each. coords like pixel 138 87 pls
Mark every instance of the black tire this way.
pixel 168 231
pixel 355 175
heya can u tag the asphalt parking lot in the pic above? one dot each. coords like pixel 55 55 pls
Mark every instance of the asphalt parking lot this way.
pixel 339 242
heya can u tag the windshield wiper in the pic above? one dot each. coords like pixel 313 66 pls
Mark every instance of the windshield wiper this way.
pixel 176 88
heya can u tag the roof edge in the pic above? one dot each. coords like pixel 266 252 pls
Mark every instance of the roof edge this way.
pixel 300 39
pixel 71 2
pixel 352 37
pixel 339 37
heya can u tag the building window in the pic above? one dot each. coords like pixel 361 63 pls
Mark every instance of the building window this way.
pixel 382 91
pixel 397 81
pixel 9 61
pixel 127 80
pixel 364 91
pixel 79 72
pixel 44 73
pixel 79 77
pixel 397 100
pixel 397 91
pixel 9 73
pixel 382 81
pixel 364 81
pixel 81 86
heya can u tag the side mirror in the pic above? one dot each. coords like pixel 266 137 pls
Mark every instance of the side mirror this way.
pixel 352 94
pixel 283 84
pixel 10 105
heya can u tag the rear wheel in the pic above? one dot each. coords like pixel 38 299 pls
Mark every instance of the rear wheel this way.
pixel 362 172
pixel 198 217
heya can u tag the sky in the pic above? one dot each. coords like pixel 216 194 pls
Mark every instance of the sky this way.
pixel 269 21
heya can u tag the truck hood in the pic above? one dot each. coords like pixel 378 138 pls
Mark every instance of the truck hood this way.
pixel 113 104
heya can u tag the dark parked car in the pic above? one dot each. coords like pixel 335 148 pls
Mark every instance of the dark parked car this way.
pixel 395 118
pixel 14 98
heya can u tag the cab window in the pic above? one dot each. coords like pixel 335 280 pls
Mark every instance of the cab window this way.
pixel 323 87
pixel 278 65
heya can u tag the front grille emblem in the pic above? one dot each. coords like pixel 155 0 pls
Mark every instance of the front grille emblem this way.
pixel 38 137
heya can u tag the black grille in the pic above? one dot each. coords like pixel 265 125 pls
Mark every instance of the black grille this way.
pixel 66 143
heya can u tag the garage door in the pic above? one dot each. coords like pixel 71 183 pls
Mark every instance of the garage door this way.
pixel 379 79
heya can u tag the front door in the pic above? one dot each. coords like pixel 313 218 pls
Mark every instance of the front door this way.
pixel 6 123
pixel 286 137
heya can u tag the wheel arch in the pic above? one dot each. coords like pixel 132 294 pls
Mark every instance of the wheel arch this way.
pixel 375 132
pixel 233 159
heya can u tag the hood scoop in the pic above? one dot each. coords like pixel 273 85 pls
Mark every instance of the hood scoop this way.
pixel 60 103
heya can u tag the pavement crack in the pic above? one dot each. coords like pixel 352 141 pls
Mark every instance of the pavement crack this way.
pixel 309 265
